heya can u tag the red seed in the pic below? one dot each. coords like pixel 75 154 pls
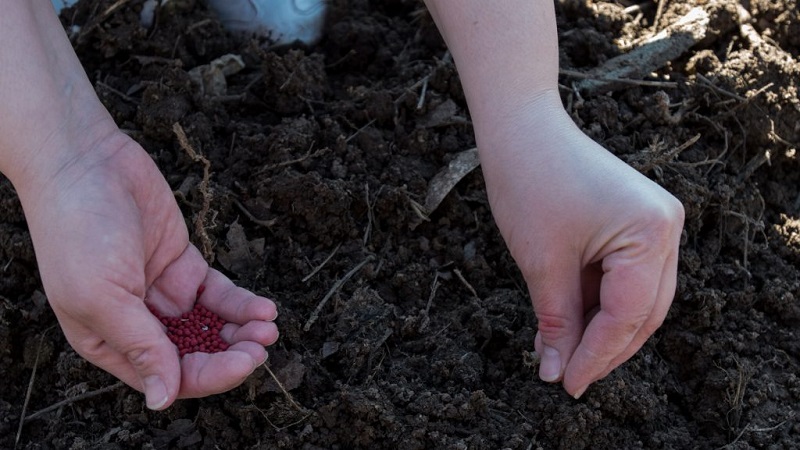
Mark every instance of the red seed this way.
pixel 195 330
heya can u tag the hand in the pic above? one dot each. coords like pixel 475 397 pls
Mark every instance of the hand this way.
pixel 109 236
pixel 596 241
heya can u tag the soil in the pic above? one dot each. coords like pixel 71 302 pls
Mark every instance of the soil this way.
pixel 319 157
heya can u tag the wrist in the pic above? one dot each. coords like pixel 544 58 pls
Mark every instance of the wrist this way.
pixel 39 155
pixel 50 113
pixel 539 115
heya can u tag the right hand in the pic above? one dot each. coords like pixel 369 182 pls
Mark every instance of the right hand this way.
pixel 596 241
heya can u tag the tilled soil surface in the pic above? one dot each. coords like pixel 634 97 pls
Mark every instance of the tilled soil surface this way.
pixel 320 158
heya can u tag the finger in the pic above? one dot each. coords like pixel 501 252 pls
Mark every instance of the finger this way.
pixel 175 290
pixel 666 293
pixel 264 333
pixel 235 304
pixel 559 310
pixel 206 374
pixel 133 347
pixel 627 298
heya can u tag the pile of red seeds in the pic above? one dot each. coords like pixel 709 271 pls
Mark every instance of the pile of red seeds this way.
pixel 195 331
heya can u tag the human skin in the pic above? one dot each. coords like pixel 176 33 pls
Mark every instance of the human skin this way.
pixel 106 229
pixel 590 234
pixel 597 242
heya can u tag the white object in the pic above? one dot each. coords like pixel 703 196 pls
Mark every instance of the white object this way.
pixel 282 21
pixel 61 4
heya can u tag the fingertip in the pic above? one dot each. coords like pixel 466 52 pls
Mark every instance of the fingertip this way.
pixel 155 391
pixel 264 361
pixel 272 335
pixel 271 313
pixel 261 332
pixel 550 364
pixel 579 392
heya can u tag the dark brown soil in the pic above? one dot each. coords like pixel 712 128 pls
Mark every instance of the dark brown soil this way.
pixel 324 150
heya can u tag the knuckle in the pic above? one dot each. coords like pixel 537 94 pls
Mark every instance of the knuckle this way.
pixel 141 356
pixel 651 325
pixel 662 224
pixel 552 326
pixel 629 321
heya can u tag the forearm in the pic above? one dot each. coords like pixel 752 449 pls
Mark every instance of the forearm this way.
pixel 506 52
pixel 49 112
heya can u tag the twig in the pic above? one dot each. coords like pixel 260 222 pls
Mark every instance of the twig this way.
pixel 197 25
pixel 74 399
pixel 370 215
pixel 30 387
pixel 254 219
pixel 341 60
pixel 425 313
pixel 103 16
pixel 754 163
pixel 350 138
pixel 651 54
pixel 283 389
pixel 654 158
pixel 659 11
pixel 647 83
pixel 200 220
pixel 707 83
pixel 117 92
pixel 370 211
pixel 466 283
pixel 319 267
pixel 776 138
pixel 753 430
pixel 294 161
pixel 421 101
pixel 336 286
pixel 423 82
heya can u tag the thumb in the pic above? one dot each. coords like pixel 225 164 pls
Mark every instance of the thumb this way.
pixel 140 353
pixel 558 305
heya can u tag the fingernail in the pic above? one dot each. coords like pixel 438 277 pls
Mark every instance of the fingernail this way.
pixel 579 392
pixel 266 357
pixel 550 365
pixel 155 392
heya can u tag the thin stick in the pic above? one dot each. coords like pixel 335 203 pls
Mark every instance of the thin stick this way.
pixel 586 76
pixel 774 136
pixel 294 161
pixel 254 219
pixel 102 17
pixel 426 319
pixel 117 92
pixel 319 267
pixel 336 287
pixel 77 398
pixel 710 85
pixel 370 211
pixel 350 138
pixel 659 11
pixel 30 387
pixel 285 392
pixel 371 216
pixel 197 25
pixel 421 101
pixel 466 283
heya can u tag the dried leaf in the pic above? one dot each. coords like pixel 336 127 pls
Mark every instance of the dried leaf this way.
pixel 444 181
